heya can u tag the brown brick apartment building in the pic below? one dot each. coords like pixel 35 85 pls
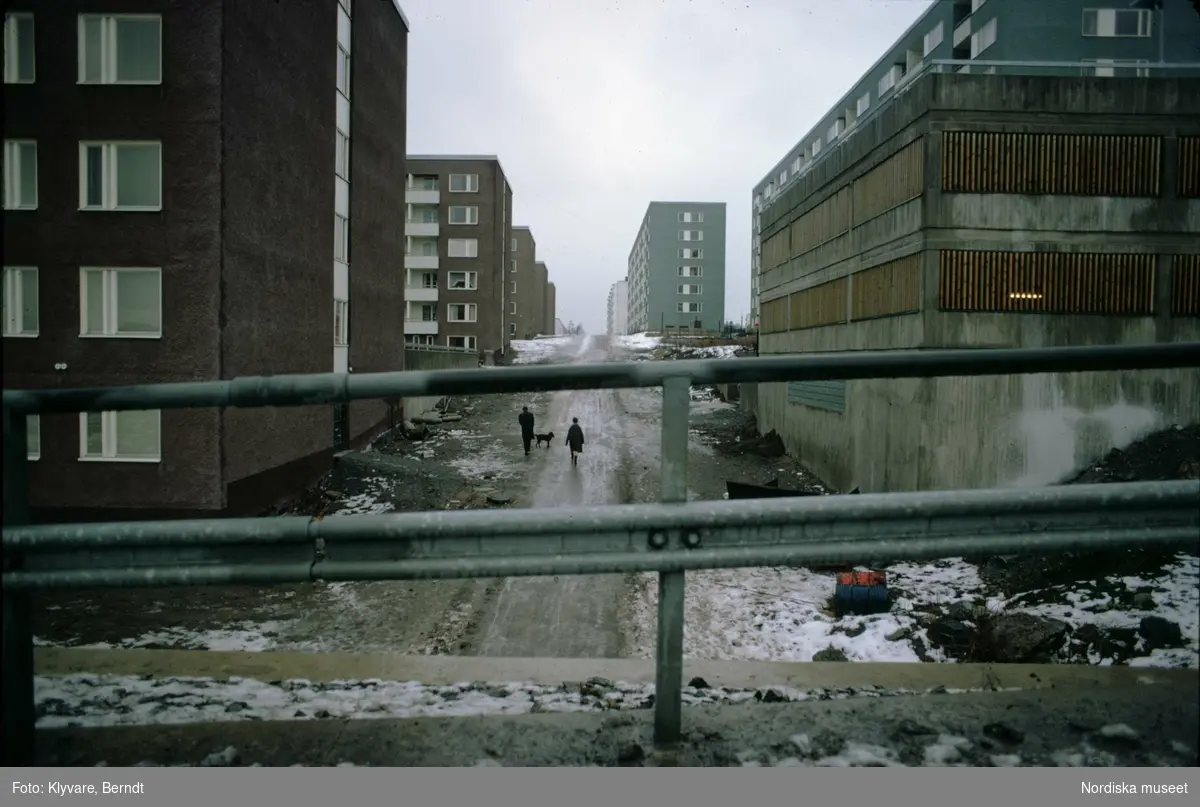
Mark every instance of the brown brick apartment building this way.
pixel 458 247
pixel 549 312
pixel 527 281
pixel 171 170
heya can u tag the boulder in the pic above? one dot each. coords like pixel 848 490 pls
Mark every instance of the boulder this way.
pixel 1159 633
pixel 1025 638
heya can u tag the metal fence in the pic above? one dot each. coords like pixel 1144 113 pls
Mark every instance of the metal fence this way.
pixel 670 537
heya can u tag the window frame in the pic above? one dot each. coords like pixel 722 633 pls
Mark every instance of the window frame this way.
pixel 33 437
pixel 13 171
pixel 472 183
pixel 472 252
pixel 341 323
pixel 699 270
pixel 679 308
pixel 472 215
pixel 109 162
pixel 341 158
pixel 469 342
pixel 468 309
pixel 342 73
pixel 110 291
pixel 110 50
pixel 108 439
pixel 679 289
pixel 471 280
pixel 12 47
pixel 13 282
pixel 341 238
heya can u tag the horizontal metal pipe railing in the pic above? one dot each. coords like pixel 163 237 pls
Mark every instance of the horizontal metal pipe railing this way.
pixel 328 388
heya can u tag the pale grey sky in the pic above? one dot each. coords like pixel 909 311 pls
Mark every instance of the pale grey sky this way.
pixel 597 107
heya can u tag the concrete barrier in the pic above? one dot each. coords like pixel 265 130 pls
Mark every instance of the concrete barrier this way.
pixel 434 357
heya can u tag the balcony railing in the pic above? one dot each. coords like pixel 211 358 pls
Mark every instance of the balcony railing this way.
pixel 671 537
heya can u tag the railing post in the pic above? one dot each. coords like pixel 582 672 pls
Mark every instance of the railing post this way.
pixel 668 703
pixel 18 717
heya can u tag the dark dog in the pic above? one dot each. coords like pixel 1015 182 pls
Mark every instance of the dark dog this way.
pixel 544 438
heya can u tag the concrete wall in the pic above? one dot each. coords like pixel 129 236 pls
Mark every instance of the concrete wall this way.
pixel 1011 430
pixel 434 358
pixel 662 275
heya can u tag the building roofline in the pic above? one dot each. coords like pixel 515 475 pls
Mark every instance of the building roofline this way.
pixel 539 263
pixel 520 227
pixel 461 158
pixel 841 102
pixel 688 202
pixel 403 19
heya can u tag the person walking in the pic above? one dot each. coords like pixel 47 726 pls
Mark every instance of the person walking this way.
pixel 575 440
pixel 526 421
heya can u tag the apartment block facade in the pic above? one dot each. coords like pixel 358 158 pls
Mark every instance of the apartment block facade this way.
pixel 549 306
pixel 677 268
pixel 181 205
pixel 1100 38
pixel 458 248
pixel 618 308
pixel 527 285
pixel 543 305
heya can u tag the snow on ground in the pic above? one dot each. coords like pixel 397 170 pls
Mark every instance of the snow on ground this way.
pixel 783 614
pixel 89 700
pixel 637 342
pixel 534 351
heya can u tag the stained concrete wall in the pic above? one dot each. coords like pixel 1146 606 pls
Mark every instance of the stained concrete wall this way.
pixel 434 357
pixel 1000 431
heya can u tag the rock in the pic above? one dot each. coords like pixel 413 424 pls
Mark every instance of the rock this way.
pixel 857 630
pixel 631 755
pixel 953 635
pixel 910 728
pixel 1004 733
pixel 1144 601
pixel 237 706
pixel 333 495
pixel 770 696
pixel 899 635
pixel 451 418
pixel 698 683
pixel 1159 633
pixel 961 612
pixel 1025 638
pixel 830 654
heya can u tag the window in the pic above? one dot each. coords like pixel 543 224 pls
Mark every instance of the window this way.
pixel 343 71
pixel 341 323
pixel 1113 22
pixel 513 248
pixel 422 247
pixel 691 235
pixel 835 129
pixel 426 313
pixel 690 288
pixel 698 217
pixel 342 159
pixel 18 49
pixel 796 166
pixel 120 436
pixel 689 308
pixel 341 238
pixel 816 147
pixel 984 38
pixel 20 175
pixel 863 104
pixel 691 271
pixel 418 339
pixel 120 49
pixel 464 342
pixel 20 301
pixel 422 280
pixel 464 215
pixel 120 302
pixel 512 328
pixel 120 176
pixel 691 253
pixel 462 312
pixel 512 267
pixel 33 435
pixel 934 38
pixel 422 214
pixel 889 79
pixel 513 288
pixel 464 183
pixel 346 5
pixel 423 182
pixel 512 308
pixel 463 248
pixel 462 281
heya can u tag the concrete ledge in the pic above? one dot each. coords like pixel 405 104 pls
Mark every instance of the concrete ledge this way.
pixel 443 670
pixel 974 729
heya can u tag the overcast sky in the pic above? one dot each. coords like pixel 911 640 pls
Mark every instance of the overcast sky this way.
pixel 597 108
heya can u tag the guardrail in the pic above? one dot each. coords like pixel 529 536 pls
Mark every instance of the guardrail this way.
pixel 670 537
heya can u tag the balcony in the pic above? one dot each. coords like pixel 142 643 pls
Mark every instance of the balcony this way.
pixel 420 261
pixel 421 294
pixel 421 229
pixel 420 327
pixel 962 32
pixel 421 196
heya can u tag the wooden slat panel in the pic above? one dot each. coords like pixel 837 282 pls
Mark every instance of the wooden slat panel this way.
pixel 1189 168
pixel 1046 282
pixel 823 223
pixel 773 316
pixel 1062 164
pixel 776 250
pixel 821 305
pixel 828 395
pixel 1185 286
pixel 894 181
pixel 888 289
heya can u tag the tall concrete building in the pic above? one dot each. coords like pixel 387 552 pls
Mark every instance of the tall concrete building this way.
pixel 618 308
pixel 458 229
pixel 677 268
pixel 527 285
pixel 549 307
pixel 181 205
pixel 1102 38
pixel 539 302
pixel 988 211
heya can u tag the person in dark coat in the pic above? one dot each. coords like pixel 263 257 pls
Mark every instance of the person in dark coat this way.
pixel 526 421
pixel 575 440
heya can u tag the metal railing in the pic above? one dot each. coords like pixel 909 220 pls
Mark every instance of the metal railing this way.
pixel 670 537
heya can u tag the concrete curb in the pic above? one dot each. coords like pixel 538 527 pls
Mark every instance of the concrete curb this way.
pixel 443 670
